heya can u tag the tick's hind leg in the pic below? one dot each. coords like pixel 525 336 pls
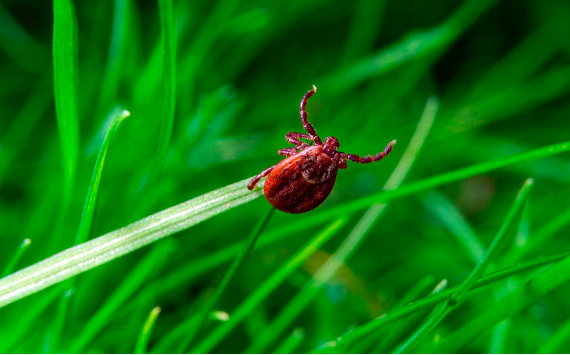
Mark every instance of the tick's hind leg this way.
pixel 295 138
pixel 256 179
pixel 287 151
pixel 370 158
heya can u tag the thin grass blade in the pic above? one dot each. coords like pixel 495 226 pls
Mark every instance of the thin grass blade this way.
pixel 530 292
pixel 66 76
pixel 207 308
pixel 397 314
pixel 246 307
pixel 149 265
pixel 144 336
pixel 17 257
pixel 510 225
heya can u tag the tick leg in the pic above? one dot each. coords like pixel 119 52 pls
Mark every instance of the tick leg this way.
pixel 287 151
pixel 342 160
pixel 295 138
pixel 370 158
pixel 256 179
pixel 309 127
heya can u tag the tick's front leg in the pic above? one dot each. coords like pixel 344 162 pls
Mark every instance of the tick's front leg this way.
pixel 295 138
pixel 256 179
pixel 369 158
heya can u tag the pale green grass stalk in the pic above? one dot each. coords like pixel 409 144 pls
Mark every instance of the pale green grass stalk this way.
pixel 507 230
pixel 83 257
pixel 207 308
pixel 17 257
pixel 263 291
pixel 390 317
pixel 146 331
pixel 290 312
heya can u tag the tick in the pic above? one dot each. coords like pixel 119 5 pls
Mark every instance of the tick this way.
pixel 304 179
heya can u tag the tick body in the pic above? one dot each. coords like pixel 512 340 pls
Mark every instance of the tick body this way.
pixel 304 179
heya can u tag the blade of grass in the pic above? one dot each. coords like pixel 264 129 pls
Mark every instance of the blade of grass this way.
pixel 349 245
pixel 149 265
pixel 522 297
pixel 28 320
pixel 84 230
pixel 400 313
pixel 112 245
pixel 289 345
pixel 453 219
pixel 65 77
pixel 144 336
pixel 85 225
pixel 168 34
pixel 17 257
pixel 207 308
pixel 507 229
pixel 376 339
pixel 403 327
pixel 253 301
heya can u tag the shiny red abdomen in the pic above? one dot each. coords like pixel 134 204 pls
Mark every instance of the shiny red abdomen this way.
pixel 302 181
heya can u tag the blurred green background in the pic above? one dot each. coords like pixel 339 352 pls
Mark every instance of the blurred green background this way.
pixel 501 70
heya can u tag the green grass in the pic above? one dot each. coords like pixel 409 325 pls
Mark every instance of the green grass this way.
pixel 212 88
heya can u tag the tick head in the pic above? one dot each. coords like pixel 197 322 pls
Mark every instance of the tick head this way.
pixel 331 146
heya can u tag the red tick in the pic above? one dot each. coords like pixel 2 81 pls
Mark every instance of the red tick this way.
pixel 304 179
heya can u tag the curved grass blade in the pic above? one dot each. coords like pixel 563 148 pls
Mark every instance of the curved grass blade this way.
pixel 510 225
pixel 17 257
pixel 85 225
pixel 390 317
pixel 247 306
pixel 65 79
pixel 207 308
pixel 527 294
pixel 83 257
pixel 169 84
pixel 453 219
pixel 349 245
pixel 142 342
pixel 85 228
